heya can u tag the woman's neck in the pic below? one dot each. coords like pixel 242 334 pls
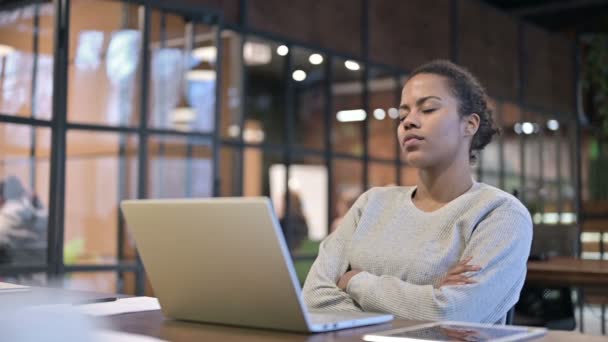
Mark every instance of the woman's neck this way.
pixel 442 184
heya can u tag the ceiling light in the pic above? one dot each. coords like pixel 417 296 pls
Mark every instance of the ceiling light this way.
pixel 205 54
pixel 517 128
pixel 299 75
pixel 352 65
pixel 183 115
pixel 393 113
pixel 553 125
pixel 315 59
pixel 6 50
pixel 351 115
pixel 282 50
pixel 256 53
pixel 379 114
pixel 527 128
pixel 200 75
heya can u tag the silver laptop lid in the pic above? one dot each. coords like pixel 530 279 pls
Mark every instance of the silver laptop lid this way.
pixel 218 260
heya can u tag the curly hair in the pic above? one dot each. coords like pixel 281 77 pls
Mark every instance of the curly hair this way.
pixel 472 98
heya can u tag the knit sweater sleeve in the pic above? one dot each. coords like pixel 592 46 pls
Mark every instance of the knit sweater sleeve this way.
pixel 500 244
pixel 321 291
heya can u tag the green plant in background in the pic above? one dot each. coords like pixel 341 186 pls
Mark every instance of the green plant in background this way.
pixel 598 171
pixel 72 250
pixel 595 84
pixel 596 78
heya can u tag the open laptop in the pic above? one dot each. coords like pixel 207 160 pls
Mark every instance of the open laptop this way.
pixel 224 260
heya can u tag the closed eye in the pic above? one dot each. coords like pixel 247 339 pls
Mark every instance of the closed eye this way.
pixel 427 111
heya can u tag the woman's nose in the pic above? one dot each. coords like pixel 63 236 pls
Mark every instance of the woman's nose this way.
pixel 411 121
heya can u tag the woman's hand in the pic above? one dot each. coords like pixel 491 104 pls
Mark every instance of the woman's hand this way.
pixel 455 274
pixel 343 282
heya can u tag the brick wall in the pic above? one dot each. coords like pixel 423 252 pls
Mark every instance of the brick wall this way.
pixel 405 34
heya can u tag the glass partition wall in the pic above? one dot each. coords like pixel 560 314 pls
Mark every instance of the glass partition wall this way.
pixel 148 102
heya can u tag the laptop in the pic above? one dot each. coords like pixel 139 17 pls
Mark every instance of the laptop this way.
pixel 225 261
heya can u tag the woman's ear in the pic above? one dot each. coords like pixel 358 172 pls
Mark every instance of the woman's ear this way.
pixel 472 124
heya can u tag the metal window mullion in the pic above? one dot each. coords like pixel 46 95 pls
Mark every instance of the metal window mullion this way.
pixel 521 91
pixel 577 167
pixel 501 150
pixel 189 34
pixel 454 30
pixel 365 76
pixel 218 107
pixel 288 97
pixel 58 162
pixel 122 167
pixel 398 155
pixel 365 128
pixel 541 172
pixel 33 90
pixel 159 181
pixel 327 133
pixel 142 181
pixel 558 160
pixel 244 90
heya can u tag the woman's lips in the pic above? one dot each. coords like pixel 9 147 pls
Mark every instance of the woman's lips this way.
pixel 412 141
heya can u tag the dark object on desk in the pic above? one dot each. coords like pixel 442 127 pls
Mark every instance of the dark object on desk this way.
pixel 95 300
pixel 538 257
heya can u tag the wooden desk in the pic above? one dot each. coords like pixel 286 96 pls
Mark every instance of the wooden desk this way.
pixel 153 323
pixel 561 271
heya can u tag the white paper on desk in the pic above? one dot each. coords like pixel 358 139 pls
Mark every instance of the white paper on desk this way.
pixel 7 287
pixel 120 306
pixel 115 336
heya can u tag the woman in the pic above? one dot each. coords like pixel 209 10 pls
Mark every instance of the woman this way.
pixel 447 248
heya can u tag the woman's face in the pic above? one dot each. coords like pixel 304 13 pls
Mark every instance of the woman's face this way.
pixel 431 132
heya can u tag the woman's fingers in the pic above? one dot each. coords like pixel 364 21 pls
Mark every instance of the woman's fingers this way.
pixel 465 260
pixel 458 269
pixel 457 280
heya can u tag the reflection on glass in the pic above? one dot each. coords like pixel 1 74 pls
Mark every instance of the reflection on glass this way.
pixel 229 171
pixel 382 127
pixel 17 61
pixel 346 184
pixel 490 163
pixel 308 202
pixel 183 74
pixel 23 194
pixel 550 190
pixel 180 167
pixel 566 165
pixel 88 50
pixel 348 112
pixel 532 197
pixel 265 103
pixel 510 116
pixel 309 99
pixel 103 62
pixel 232 86
pixel 101 170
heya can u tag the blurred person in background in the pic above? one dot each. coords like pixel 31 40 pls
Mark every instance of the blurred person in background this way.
pixel 23 224
pixel 296 230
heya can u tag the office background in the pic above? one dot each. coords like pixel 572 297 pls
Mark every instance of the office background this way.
pixel 109 100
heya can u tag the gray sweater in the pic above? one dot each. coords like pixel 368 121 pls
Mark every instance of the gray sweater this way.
pixel 404 252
